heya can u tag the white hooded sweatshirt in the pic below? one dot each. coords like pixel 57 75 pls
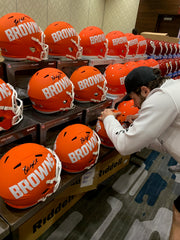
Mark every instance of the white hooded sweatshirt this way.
pixel 157 126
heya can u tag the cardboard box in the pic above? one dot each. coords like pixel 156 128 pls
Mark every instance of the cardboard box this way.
pixel 160 37
pixel 45 218
pixel 110 165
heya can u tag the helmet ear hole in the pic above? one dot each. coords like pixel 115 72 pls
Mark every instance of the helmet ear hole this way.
pixel 32 49
pixel 1 119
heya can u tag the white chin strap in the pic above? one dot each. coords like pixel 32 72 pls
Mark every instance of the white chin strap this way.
pixel 71 94
pixel 45 49
pixel 56 179
pixel 79 50
pixel 16 107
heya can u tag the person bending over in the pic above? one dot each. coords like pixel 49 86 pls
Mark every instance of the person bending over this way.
pixel 157 125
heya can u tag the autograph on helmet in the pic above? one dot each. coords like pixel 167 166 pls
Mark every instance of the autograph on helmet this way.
pixel 86 138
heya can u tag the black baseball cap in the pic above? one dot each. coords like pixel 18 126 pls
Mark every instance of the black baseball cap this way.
pixel 138 77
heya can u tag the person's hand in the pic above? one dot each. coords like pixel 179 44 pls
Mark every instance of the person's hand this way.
pixel 131 118
pixel 107 112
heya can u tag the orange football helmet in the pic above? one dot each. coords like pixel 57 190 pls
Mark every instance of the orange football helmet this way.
pixel 132 44
pixel 141 62
pixel 35 175
pixel 63 40
pixel 11 107
pixel 142 45
pixel 100 129
pixel 50 91
pixel 105 140
pixel 117 44
pixel 21 38
pixel 115 75
pixel 152 63
pixel 77 146
pixel 89 84
pixel 131 65
pixel 126 108
pixel 94 42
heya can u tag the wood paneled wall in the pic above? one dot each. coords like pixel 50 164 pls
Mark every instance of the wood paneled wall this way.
pixel 150 9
